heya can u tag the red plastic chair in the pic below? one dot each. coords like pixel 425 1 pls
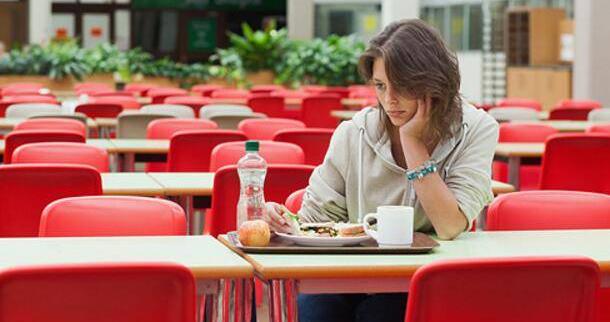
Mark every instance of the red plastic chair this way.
pixel 166 128
pixel 52 124
pixel 280 182
pixel 112 216
pixel 25 189
pixel 229 93
pixel 285 93
pixel 316 89
pixel 342 92
pixel 522 133
pixel 62 152
pixel 591 104
pixel 272 106
pixel 125 101
pixel 139 89
pixel 16 139
pixel 205 89
pixel 101 93
pixel 273 152
pixel 7 101
pixel 570 113
pixel 95 110
pixel 265 129
pixel 20 86
pixel 576 162
pixel 158 95
pixel 194 102
pixel 600 128
pixel 294 201
pixel 190 151
pixel 541 289
pixel 314 142
pixel 265 89
pixel 549 209
pixel 315 111
pixel 519 102
pixel 27 91
pixel 122 292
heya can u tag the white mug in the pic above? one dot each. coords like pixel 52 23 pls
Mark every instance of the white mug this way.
pixel 394 225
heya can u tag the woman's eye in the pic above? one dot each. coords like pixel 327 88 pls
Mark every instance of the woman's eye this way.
pixel 380 87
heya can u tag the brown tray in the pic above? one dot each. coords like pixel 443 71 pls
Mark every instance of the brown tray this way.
pixel 422 244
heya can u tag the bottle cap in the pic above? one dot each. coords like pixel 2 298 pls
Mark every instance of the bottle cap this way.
pixel 252 146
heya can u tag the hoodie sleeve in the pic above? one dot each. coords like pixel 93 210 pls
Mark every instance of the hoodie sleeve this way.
pixel 469 177
pixel 324 198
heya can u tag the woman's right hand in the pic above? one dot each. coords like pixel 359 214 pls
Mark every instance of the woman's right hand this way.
pixel 274 217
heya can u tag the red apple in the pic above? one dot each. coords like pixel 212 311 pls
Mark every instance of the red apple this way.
pixel 254 233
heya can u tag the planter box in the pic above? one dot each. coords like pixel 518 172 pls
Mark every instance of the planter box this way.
pixel 263 77
pixel 57 85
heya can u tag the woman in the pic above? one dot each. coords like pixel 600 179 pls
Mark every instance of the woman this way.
pixel 421 122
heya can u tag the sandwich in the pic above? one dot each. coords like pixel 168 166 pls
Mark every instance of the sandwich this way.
pixel 321 229
pixel 349 230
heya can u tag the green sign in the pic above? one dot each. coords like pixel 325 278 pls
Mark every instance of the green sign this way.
pixel 201 35
pixel 218 5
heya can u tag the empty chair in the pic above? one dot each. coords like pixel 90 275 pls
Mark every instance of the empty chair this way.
pixel 80 117
pixel 557 289
pixel 266 88
pixel 315 111
pixel 209 110
pixel 139 89
pixel 273 152
pixel 506 114
pixel 95 110
pixel 272 106
pixel 280 182
pixel 16 139
pixel 230 121
pixel 52 124
pixel 205 89
pixel 522 133
pixel 20 86
pixel 265 129
pixel 177 111
pixel 342 92
pixel 229 93
pixel 570 113
pixel 549 209
pixel 519 102
pixel 576 162
pixel 600 128
pixel 25 110
pixel 316 89
pixel 127 102
pixel 599 115
pixel 294 201
pixel 28 188
pixel 112 216
pixel 285 93
pixel 7 101
pixel 98 292
pixel 194 102
pixel 110 93
pixel 27 91
pixel 190 151
pixel 314 142
pixel 62 152
pixel 133 126
pixel 158 95
pixel 590 104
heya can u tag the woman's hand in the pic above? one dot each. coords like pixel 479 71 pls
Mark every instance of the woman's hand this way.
pixel 414 128
pixel 273 216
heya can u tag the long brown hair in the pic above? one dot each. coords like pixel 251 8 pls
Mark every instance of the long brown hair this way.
pixel 418 63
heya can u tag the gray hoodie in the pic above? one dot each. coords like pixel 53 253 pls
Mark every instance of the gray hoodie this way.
pixel 359 172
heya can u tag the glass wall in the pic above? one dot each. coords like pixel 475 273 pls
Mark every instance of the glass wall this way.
pixel 347 18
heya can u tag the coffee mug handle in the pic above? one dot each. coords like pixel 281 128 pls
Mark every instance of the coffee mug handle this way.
pixel 367 225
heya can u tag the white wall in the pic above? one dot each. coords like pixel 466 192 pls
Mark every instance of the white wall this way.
pixel 40 21
pixel 471 71
pixel 392 10
pixel 300 19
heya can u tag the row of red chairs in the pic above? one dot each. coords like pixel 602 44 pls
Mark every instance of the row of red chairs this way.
pixel 574 110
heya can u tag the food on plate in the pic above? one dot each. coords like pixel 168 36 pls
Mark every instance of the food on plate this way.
pixel 350 230
pixel 319 229
pixel 254 233
pixel 323 229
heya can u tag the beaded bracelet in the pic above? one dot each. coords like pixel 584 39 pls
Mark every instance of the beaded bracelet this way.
pixel 423 170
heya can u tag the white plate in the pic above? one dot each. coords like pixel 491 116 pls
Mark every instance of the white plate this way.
pixel 323 241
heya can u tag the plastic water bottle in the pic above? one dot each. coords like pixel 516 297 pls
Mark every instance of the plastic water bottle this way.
pixel 252 169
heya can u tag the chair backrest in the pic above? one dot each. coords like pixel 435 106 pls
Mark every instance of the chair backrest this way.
pixel 28 188
pixel 285 93
pixel 315 111
pixel 570 113
pixel 99 93
pixel 52 124
pixel 519 102
pixel 95 110
pixel 16 139
pixel 165 128
pixel 231 121
pixel 265 129
pixel 549 209
pixel 272 106
pixel 280 182
pixel 313 88
pixel 79 117
pixel 294 201
pixel 112 216
pixel 577 162
pixel 505 114
pixel 599 115
pixel 314 142
pixel 212 109
pixel 190 151
pixel 580 103
pixel 229 93
pixel 128 103
pixel 266 88
pixel 121 292
pixel 547 289
pixel 194 102
pixel 20 86
pixel 273 152
pixel 139 89
pixel 133 126
pixel 342 92
pixel 62 152
pixel 525 133
pixel 177 111
pixel 205 89
pixel 599 128
pixel 158 95
pixel 25 110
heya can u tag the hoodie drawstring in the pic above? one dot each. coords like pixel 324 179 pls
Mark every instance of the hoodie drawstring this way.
pixel 360 175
